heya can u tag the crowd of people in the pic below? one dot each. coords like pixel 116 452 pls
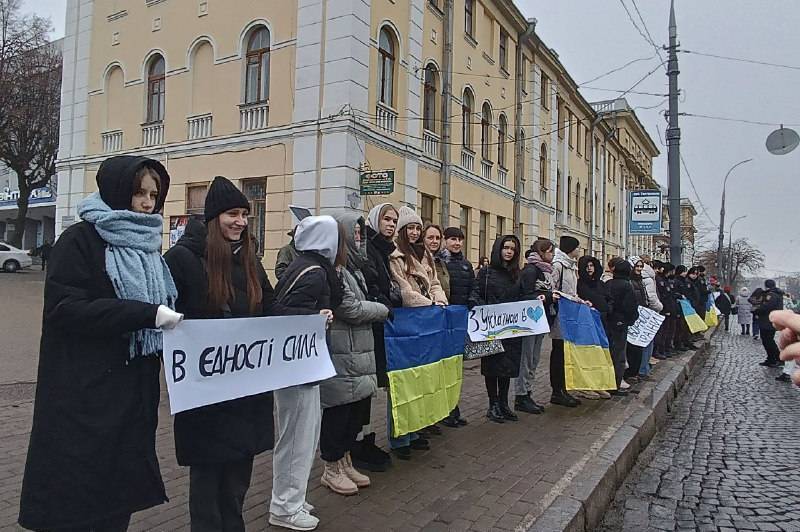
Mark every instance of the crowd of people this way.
pixel 92 460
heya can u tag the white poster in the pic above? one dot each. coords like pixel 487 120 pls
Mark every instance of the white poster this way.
pixel 507 320
pixel 210 361
pixel 644 330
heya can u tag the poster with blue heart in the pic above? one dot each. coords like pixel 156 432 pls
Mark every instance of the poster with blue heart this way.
pixel 507 320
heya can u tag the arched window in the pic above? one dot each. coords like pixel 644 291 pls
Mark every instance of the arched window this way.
pixel 486 125
pixel 467 107
pixel 429 99
pixel 559 199
pixel 522 153
pixel 386 49
pixel 257 76
pixel 543 175
pixel 156 90
pixel 502 132
pixel 569 195
pixel 587 207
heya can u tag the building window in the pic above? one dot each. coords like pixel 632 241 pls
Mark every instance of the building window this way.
pixel 597 216
pixel 483 235
pixel 543 175
pixel 523 68
pixel 429 99
pixel 545 92
pixel 578 140
pixel 386 48
pixel 256 192
pixel 523 156
pixel 559 199
pixel 502 132
pixel 467 106
pixel 196 198
pixel 426 209
pixel 501 226
pixel 569 195
pixel 156 90
pixel 560 117
pixel 588 144
pixel 587 207
pixel 486 125
pixel 569 128
pixel 469 17
pixel 257 80
pixel 503 49
pixel 463 223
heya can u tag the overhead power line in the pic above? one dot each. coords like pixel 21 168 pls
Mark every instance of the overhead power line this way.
pixel 614 70
pixel 739 120
pixel 741 60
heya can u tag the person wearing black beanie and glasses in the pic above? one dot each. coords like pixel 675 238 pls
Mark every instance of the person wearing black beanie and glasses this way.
pixel 218 275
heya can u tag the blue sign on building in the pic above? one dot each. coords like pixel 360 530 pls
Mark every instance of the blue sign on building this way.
pixel 644 212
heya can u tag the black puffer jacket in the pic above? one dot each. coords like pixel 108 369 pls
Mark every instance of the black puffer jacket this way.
pixel 724 303
pixel 498 283
pixel 231 430
pixel 638 289
pixel 624 307
pixel 379 282
pixel 462 277
pixel 684 289
pixel 771 299
pixel 666 295
pixel 591 288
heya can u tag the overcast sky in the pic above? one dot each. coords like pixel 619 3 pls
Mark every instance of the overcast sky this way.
pixel 595 36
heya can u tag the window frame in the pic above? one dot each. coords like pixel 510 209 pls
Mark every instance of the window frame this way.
pixel 429 94
pixel 469 18
pixel 261 58
pixel 502 133
pixel 466 118
pixel 156 89
pixel 486 131
pixel 543 173
pixel 386 57
pixel 503 51
pixel 544 91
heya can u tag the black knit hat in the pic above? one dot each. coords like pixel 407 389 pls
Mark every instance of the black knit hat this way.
pixel 222 196
pixel 453 232
pixel 568 244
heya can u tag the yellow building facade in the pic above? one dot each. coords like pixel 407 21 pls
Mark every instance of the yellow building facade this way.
pixel 480 122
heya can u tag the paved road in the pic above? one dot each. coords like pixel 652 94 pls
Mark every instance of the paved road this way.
pixel 727 459
pixel 20 328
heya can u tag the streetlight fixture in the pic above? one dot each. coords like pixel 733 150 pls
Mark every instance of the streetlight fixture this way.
pixel 721 239
pixel 727 278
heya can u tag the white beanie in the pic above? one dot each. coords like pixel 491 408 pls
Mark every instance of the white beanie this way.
pixel 407 216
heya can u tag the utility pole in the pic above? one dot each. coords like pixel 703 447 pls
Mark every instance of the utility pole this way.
pixel 721 237
pixel 674 144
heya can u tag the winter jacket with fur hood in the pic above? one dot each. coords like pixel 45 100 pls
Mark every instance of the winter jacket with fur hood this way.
pixel 419 287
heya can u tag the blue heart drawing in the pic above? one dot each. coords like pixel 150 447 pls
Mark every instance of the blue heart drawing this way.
pixel 535 313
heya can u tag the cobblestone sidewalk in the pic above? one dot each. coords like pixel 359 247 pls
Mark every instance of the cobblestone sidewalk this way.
pixel 728 457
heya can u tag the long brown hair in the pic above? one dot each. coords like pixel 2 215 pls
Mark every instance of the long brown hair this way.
pixel 219 260
pixel 409 251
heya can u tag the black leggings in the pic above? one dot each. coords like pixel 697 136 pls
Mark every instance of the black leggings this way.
pixel 557 376
pixel 497 388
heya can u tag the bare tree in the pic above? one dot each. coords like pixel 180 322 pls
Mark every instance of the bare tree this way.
pixel 30 92
pixel 742 257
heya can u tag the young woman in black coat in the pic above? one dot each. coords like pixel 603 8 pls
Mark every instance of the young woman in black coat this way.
pixel 591 288
pixel 92 455
pixel 624 313
pixel 219 276
pixel 498 283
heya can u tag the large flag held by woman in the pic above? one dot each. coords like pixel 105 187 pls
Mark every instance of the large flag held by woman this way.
pixel 587 359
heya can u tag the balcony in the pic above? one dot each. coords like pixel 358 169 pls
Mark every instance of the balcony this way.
pixel 502 175
pixel 112 141
pixel 199 127
pixel 386 118
pixel 430 144
pixel 467 159
pixel 486 169
pixel 153 134
pixel 253 116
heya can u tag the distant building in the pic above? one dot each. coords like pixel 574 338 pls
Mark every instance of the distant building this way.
pixel 40 221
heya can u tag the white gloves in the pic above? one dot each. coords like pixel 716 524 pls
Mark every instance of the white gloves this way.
pixel 166 318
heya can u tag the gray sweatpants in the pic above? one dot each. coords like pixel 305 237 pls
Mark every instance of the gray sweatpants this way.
pixel 298 422
pixel 531 352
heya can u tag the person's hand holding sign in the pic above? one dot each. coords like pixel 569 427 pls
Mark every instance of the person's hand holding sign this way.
pixel 166 318
pixel 328 313
pixel 788 323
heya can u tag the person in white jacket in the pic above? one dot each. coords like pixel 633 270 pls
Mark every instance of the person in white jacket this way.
pixel 653 303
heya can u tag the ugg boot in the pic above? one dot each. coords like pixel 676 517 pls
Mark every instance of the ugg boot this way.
pixel 337 480
pixel 359 479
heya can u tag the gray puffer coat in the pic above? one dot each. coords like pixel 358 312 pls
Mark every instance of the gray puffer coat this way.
pixel 351 343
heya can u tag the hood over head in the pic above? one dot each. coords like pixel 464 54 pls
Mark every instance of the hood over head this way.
pixel 374 216
pixel 319 234
pixel 564 259
pixel 648 272
pixel 623 270
pixel 115 181
pixel 356 253
pixel 598 268
pixel 194 236
pixel 496 260
pixel 744 291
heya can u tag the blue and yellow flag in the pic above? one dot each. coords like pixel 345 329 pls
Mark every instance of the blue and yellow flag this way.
pixel 587 358
pixel 693 320
pixel 424 351
pixel 712 314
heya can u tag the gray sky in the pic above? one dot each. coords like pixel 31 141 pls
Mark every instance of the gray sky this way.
pixel 595 36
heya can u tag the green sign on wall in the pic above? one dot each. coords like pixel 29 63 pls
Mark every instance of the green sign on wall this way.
pixel 377 183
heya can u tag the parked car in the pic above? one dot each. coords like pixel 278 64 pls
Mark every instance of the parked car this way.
pixel 13 259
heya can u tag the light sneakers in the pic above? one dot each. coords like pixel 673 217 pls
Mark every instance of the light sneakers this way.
pixel 302 520
pixel 624 385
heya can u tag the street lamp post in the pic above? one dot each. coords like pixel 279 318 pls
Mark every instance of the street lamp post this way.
pixel 727 277
pixel 721 240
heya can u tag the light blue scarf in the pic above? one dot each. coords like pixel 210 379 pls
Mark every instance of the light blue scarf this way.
pixel 133 262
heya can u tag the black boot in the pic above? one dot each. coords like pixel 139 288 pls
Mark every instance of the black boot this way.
pixel 561 397
pixel 494 413
pixel 508 414
pixel 524 403
pixel 366 455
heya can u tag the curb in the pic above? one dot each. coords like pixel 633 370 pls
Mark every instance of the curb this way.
pixel 582 505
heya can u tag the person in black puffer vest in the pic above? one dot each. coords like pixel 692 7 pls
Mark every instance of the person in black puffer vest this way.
pixel 624 313
pixel 462 280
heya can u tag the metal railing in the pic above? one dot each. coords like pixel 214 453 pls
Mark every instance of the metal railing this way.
pixel 112 141
pixel 199 127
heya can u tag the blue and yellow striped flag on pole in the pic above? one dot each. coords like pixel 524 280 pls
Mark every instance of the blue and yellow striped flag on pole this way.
pixel 693 319
pixel 587 358
pixel 424 352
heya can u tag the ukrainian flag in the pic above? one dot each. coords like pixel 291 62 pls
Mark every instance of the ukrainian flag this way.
pixel 424 352
pixel 693 320
pixel 712 313
pixel 587 358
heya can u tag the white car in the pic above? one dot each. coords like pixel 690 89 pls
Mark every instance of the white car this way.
pixel 13 259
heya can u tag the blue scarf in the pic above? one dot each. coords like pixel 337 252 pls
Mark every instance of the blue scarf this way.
pixel 133 262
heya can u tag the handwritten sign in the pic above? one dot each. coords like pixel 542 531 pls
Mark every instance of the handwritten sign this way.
pixel 644 330
pixel 210 361
pixel 507 320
